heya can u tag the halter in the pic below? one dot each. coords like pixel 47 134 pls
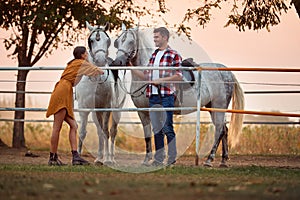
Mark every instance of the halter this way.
pixel 133 53
pixel 98 37
pixel 98 30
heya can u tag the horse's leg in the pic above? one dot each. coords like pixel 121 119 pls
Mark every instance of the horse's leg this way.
pixel 106 116
pixel 218 120
pixel 82 131
pixel 97 117
pixel 225 156
pixel 113 133
pixel 145 119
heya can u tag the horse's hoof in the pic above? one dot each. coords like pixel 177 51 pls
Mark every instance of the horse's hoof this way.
pixel 223 165
pixel 146 163
pixel 147 160
pixel 98 162
pixel 108 163
pixel 207 164
pixel 114 163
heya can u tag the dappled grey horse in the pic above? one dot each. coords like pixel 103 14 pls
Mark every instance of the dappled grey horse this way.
pixel 101 92
pixel 217 90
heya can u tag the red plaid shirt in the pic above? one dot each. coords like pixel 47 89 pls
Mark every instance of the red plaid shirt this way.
pixel 170 58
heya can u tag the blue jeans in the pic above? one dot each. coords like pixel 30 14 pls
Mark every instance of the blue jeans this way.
pixel 162 124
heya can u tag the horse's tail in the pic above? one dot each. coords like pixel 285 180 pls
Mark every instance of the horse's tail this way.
pixel 236 122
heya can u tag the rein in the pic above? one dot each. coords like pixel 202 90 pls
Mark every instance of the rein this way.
pixel 141 89
pixel 93 79
pixel 132 56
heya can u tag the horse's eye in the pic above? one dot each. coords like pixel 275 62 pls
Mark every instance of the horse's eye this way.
pixel 123 39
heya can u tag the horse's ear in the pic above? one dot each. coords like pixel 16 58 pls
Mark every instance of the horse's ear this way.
pixel 106 26
pixel 123 27
pixel 89 26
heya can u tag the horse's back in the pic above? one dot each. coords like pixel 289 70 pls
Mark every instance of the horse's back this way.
pixel 216 87
pixel 224 80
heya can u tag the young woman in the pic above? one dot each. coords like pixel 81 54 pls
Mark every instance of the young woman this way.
pixel 61 103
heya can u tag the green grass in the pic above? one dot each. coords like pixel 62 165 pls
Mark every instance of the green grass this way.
pixel 100 182
pixel 258 171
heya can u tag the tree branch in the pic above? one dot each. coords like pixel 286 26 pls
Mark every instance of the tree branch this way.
pixel 48 42
pixel 32 43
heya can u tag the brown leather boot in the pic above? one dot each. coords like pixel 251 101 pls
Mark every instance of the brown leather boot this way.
pixel 54 161
pixel 77 160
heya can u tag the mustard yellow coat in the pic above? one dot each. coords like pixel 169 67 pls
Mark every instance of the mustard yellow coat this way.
pixel 62 95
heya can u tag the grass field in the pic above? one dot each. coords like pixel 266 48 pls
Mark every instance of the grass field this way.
pixel 22 180
pixel 179 182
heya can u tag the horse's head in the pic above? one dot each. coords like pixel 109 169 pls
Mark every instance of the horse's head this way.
pixel 99 43
pixel 127 45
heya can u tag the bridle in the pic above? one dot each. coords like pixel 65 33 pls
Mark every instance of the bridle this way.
pixel 132 54
pixel 98 38
pixel 105 51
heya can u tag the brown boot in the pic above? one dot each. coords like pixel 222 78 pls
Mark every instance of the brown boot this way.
pixel 54 161
pixel 77 160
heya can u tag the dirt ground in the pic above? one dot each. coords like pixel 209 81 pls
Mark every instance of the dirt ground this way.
pixel 279 181
pixel 22 156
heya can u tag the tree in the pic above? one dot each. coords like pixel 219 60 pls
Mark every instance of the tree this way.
pixel 40 26
pixel 251 14
pixel 297 6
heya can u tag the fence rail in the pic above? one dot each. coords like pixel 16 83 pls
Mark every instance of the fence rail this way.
pixel 198 68
pixel 246 92
pixel 182 122
pixel 197 108
pixel 162 109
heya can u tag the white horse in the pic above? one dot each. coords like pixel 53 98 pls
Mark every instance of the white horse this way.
pixel 102 92
pixel 217 90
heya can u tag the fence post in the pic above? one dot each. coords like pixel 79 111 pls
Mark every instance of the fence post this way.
pixel 198 116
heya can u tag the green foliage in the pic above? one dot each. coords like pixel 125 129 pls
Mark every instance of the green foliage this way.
pixel 39 26
pixel 60 22
pixel 251 14
pixel 257 14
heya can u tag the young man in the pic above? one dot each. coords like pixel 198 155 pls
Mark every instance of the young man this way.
pixel 161 93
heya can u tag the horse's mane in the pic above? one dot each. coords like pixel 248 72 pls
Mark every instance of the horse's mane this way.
pixel 146 45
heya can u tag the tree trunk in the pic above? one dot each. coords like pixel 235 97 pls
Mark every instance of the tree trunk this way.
pixel 18 133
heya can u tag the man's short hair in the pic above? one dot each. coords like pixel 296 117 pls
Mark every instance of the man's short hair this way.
pixel 163 31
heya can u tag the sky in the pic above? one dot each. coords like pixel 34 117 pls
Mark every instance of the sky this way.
pixel 278 48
